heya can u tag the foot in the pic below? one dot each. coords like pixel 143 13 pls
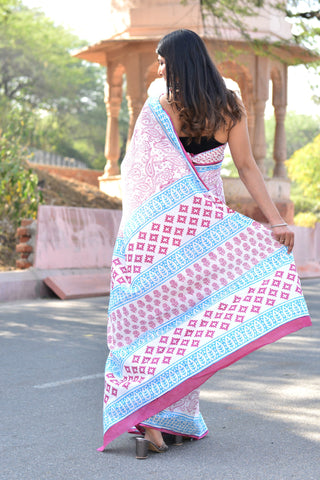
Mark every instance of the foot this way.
pixel 154 436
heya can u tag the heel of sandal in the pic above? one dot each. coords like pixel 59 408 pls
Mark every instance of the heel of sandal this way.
pixel 178 440
pixel 141 448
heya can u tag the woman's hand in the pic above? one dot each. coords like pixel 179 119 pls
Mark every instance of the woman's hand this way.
pixel 284 236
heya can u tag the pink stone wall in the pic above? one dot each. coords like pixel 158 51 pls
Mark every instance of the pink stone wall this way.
pixel 70 237
pixel 306 251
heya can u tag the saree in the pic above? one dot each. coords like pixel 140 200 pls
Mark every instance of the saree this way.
pixel 195 285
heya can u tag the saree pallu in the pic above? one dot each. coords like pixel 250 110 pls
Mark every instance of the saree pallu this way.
pixel 195 285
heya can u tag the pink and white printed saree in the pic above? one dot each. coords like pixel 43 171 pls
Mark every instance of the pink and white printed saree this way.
pixel 195 285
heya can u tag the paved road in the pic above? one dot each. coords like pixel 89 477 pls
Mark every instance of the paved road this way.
pixel 263 413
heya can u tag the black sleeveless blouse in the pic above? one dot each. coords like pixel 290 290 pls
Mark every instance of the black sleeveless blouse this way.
pixel 204 145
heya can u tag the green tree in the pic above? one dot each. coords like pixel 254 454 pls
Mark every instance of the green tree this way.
pixel 300 130
pixel 61 95
pixel 304 171
pixel 36 67
pixel 303 168
pixel 305 15
pixel 19 193
pixel 123 123
pixel 78 136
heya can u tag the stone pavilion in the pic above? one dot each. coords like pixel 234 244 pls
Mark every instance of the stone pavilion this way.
pixel 133 29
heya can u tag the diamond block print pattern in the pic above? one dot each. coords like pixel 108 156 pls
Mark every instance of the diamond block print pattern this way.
pixel 210 324
pixel 213 271
pixel 165 235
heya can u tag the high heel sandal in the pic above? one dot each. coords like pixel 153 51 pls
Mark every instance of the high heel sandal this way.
pixel 143 445
pixel 177 440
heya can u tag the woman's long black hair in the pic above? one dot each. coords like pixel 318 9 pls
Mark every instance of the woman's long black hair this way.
pixel 195 86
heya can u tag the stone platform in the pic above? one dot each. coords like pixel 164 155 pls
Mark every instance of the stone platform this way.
pixel 73 252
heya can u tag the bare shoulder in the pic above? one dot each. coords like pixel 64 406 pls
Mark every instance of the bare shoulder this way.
pixel 173 113
pixel 165 104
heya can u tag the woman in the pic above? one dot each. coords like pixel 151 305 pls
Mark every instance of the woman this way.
pixel 195 285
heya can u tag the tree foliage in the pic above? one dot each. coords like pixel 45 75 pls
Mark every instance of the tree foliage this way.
pixel 300 130
pixel 304 15
pixel 61 95
pixel 36 67
pixel 306 219
pixel 229 13
pixel 19 192
pixel 303 168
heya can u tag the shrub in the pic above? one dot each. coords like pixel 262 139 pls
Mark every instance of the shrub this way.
pixel 304 204
pixel 303 168
pixel 19 194
pixel 305 219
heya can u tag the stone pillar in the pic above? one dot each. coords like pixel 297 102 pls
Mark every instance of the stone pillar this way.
pixel 136 93
pixel 280 146
pixel 259 141
pixel 134 107
pixel 261 96
pixel 244 80
pixel 279 100
pixel 113 97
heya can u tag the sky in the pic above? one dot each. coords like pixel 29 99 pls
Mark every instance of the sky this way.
pixel 83 20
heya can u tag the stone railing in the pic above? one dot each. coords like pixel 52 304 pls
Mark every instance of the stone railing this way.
pixel 49 158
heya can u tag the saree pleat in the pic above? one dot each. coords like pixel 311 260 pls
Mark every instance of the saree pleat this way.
pixel 195 285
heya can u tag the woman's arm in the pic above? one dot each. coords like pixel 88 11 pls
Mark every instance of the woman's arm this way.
pixel 251 176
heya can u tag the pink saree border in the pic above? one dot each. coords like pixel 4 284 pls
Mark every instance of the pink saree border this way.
pixel 197 380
